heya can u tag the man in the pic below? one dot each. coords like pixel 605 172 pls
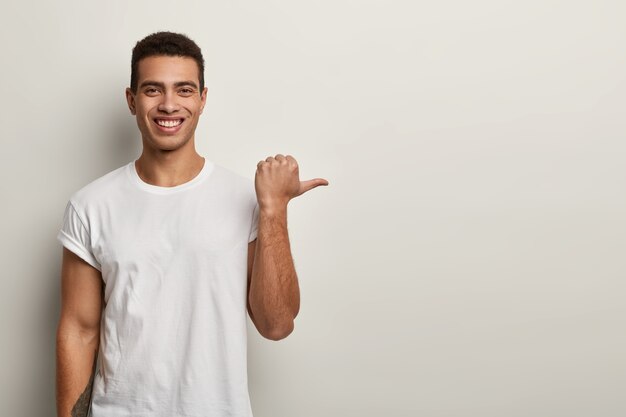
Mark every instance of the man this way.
pixel 163 257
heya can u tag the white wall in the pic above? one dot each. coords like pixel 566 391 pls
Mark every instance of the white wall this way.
pixel 467 258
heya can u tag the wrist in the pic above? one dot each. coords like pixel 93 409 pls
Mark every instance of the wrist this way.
pixel 273 209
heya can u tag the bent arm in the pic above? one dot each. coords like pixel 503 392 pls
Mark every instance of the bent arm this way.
pixel 274 295
pixel 78 334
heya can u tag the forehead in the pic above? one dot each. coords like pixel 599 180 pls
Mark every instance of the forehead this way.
pixel 167 69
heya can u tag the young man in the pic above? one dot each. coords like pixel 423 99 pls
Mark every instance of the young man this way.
pixel 164 256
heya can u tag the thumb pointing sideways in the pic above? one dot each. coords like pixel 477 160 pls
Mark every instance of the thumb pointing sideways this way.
pixel 310 184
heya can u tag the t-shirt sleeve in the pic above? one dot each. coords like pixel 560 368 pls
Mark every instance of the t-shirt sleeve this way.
pixel 75 236
pixel 255 223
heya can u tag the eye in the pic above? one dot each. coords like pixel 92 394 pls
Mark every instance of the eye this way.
pixel 186 91
pixel 151 91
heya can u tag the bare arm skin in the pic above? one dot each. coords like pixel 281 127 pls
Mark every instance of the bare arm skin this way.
pixel 273 291
pixel 78 334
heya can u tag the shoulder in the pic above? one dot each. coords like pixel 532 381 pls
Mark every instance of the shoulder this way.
pixel 234 181
pixel 234 190
pixel 226 174
pixel 99 189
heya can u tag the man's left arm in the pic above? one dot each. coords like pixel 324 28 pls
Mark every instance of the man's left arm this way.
pixel 273 291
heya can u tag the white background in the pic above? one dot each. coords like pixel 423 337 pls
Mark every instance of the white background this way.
pixel 467 258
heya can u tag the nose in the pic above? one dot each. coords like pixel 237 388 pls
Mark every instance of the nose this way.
pixel 168 102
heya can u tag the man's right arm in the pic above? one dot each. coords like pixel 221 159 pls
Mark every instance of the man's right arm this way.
pixel 78 334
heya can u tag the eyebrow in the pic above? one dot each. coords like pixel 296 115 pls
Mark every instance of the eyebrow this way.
pixel 162 85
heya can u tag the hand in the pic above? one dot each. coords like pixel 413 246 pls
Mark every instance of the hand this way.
pixel 277 181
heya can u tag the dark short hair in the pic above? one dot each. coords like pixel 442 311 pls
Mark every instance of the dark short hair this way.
pixel 168 44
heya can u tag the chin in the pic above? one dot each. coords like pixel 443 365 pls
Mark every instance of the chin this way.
pixel 163 144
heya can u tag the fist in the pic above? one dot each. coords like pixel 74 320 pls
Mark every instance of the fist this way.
pixel 277 180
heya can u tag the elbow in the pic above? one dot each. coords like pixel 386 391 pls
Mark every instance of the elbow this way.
pixel 68 329
pixel 279 332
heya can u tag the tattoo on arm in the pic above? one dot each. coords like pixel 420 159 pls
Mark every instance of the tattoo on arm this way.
pixel 81 408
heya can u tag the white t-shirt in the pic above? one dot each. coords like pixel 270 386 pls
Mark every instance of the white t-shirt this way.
pixel 174 264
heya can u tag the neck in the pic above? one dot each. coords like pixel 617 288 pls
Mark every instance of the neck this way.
pixel 169 168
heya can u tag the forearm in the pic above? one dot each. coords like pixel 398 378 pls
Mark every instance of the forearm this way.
pixel 274 291
pixel 76 352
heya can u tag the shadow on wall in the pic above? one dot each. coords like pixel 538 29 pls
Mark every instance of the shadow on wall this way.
pixel 121 138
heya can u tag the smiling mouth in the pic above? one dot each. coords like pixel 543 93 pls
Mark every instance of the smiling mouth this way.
pixel 168 122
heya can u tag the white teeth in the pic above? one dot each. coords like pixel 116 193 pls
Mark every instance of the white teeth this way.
pixel 169 123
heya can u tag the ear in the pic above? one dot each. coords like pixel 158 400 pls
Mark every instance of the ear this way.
pixel 130 98
pixel 203 98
